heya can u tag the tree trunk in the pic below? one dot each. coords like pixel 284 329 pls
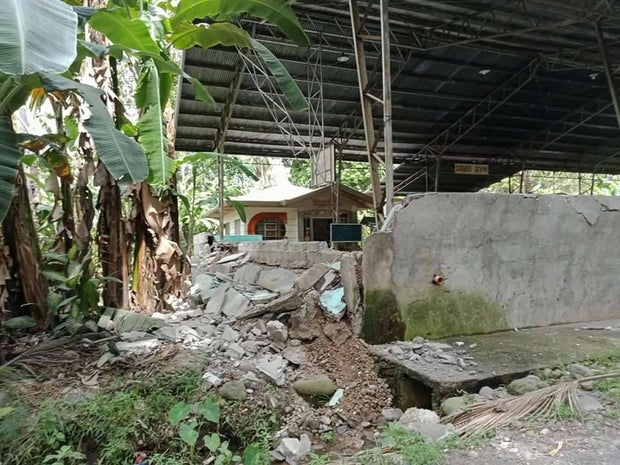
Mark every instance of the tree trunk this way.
pixel 21 237
pixel 159 260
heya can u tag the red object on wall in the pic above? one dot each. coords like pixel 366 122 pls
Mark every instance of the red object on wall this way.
pixel 262 216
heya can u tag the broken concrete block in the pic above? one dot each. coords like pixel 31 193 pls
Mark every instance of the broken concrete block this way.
pixel 277 280
pixel 294 355
pixel 143 347
pixel 122 321
pixel 310 277
pixel 231 258
pixel 247 274
pixel 277 332
pixel 230 302
pixel 333 304
pixel 286 303
pixel 229 334
pixel 338 333
pixel 319 385
pixel 272 366
pixel 326 281
pixel 212 379
pixel 235 351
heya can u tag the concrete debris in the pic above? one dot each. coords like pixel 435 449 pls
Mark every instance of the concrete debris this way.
pixel 247 274
pixel 336 398
pixel 231 258
pixel 277 332
pixel 286 303
pixel 272 366
pixel 430 352
pixel 293 450
pixel 143 347
pixel 212 379
pixel 277 280
pixel 294 355
pixel 310 277
pixel 326 281
pixel 588 403
pixel 333 304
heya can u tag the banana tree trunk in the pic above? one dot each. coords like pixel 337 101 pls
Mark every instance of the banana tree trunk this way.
pixel 158 268
pixel 21 238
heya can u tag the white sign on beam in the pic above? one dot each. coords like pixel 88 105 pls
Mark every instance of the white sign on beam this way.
pixel 470 168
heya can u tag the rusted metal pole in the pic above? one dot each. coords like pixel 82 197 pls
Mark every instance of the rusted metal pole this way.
pixel 613 89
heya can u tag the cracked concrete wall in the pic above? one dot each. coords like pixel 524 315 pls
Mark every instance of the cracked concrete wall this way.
pixel 508 260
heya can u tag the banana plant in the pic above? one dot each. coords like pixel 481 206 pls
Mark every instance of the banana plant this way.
pixel 33 58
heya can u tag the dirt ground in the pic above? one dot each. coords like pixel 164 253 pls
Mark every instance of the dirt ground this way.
pixel 588 443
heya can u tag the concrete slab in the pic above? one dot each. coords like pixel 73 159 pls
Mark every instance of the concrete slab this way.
pixel 277 280
pixel 506 355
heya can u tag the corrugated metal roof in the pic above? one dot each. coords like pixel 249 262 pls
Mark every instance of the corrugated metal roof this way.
pixel 447 56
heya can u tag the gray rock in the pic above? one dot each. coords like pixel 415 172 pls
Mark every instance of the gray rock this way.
pixel 235 351
pixel 295 355
pixel 524 385
pixel 319 385
pixel 277 332
pixel 425 423
pixel 588 403
pixel 235 304
pixel 251 379
pixel 277 280
pixel 229 334
pixel 579 371
pixel 453 404
pixel 392 414
pixel 487 393
pixel 212 379
pixel 272 366
pixel 133 336
pixel 293 449
pixel 310 277
pixel 143 347
pixel 233 390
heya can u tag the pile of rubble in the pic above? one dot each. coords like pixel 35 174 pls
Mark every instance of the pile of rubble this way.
pixel 423 350
pixel 259 326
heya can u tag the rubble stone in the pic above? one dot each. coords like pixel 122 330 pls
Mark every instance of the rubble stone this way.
pixel 229 334
pixel 272 366
pixel 247 274
pixel 277 332
pixel 277 280
pixel 524 385
pixel 487 393
pixel 425 423
pixel 286 303
pixel 453 404
pixel 310 277
pixel 348 278
pixel 212 379
pixel 579 371
pixel 233 390
pixel 588 403
pixel 319 385
pixel 392 414
pixel 333 304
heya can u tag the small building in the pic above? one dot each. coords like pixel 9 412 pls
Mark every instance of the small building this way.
pixel 292 212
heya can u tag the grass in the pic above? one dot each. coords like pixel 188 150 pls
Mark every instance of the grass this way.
pixel 111 426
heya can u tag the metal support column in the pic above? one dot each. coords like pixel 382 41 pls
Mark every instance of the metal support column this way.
pixel 610 78
pixel 387 105
pixel 369 128
pixel 220 138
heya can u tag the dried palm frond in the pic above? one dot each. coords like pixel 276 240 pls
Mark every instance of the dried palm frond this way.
pixel 481 417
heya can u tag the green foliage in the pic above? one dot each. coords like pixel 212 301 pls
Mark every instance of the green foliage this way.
pixel 411 447
pixel 320 459
pixel 26 44
pixel 65 456
pixel 277 12
pixel 354 174
pixel 9 159
pixel 550 182
pixel 188 35
pixel 122 30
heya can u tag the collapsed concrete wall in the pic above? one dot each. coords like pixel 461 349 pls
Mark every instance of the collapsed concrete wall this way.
pixel 509 261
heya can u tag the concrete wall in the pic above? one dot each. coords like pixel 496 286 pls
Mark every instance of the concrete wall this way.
pixel 510 261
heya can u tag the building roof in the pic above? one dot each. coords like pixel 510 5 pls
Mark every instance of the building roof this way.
pixel 279 193
pixel 512 84
pixel 289 195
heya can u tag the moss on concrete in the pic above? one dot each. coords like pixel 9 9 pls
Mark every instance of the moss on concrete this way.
pixel 444 312
pixel 382 318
